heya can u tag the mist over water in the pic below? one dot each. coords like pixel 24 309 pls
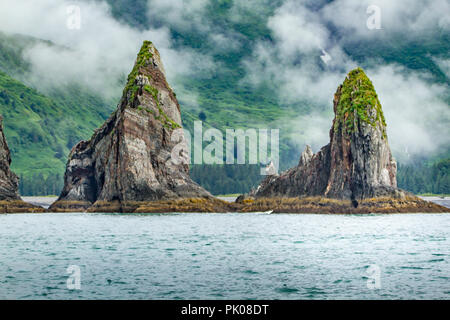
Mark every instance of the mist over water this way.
pixel 224 256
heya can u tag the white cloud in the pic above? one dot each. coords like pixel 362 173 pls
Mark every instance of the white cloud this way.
pixel 181 14
pixel 297 29
pixel 407 17
pixel 444 65
pixel 416 112
pixel 225 42
pixel 193 16
pixel 292 62
pixel 98 54
pixel 312 129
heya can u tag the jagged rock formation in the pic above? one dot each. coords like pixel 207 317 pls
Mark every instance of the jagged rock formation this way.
pixel 127 162
pixel 10 201
pixel 9 182
pixel 355 167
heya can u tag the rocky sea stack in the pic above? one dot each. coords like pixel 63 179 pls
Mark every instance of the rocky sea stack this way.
pixel 354 173
pixel 126 166
pixel 10 201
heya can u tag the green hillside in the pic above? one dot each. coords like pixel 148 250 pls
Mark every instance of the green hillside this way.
pixel 30 120
pixel 42 128
pixel 41 131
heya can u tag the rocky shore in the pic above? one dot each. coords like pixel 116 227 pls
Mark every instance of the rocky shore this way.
pixel 281 205
pixel 322 205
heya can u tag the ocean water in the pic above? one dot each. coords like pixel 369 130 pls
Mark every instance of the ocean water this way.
pixel 225 256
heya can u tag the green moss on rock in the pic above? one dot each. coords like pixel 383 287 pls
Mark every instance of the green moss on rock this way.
pixel 163 117
pixel 153 91
pixel 358 98
pixel 142 58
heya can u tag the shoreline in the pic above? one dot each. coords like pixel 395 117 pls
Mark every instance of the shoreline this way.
pixel 46 202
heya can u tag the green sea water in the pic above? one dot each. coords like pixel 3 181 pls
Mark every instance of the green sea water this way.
pixel 225 256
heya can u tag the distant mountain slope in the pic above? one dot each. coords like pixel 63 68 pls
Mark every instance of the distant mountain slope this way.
pixel 34 129
pixel 42 128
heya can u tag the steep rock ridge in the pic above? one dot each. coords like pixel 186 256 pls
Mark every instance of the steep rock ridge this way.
pixel 10 201
pixel 355 167
pixel 128 160
pixel 9 182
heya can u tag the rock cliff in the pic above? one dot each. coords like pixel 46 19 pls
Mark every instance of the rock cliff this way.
pixel 128 161
pixel 9 182
pixel 10 201
pixel 355 167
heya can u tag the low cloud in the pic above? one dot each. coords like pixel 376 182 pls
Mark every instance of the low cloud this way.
pixel 297 30
pixel 180 14
pixel 193 16
pixel 416 111
pixel 312 129
pixel 444 65
pixel 96 55
pixel 408 17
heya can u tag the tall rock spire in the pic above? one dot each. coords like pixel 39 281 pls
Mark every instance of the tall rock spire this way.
pixel 357 164
pixel 354 173
pixel 129 158
pixel 361 165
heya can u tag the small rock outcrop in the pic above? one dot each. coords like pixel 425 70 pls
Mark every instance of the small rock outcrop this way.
pixel 10 201
pixel 127 164
pixel 355 168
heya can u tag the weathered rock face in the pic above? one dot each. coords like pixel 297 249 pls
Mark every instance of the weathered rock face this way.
pixel 10 201
pixel 357 164
pixel 129 157
pixel 9 182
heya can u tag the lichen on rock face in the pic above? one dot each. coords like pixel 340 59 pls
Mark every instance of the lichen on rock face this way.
pixel 142 59
pixel 162 116
pixel 140 82
pixel 358 101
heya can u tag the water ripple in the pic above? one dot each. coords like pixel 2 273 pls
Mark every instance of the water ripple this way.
pixel 224 256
